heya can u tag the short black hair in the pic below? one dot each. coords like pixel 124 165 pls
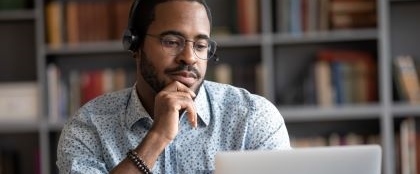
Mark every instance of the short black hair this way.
pixel 142 14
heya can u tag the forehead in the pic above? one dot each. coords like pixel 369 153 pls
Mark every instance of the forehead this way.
pixel 186 17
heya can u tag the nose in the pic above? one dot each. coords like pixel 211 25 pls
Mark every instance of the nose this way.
pixel 187 55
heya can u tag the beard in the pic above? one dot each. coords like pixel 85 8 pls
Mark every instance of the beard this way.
pixel 150 75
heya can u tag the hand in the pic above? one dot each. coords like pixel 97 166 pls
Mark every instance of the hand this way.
pixel 169 103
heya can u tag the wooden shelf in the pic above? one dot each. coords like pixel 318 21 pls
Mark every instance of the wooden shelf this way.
pixel 16 15
pixel 327 36
pixel 314 113
pixel 56 126
pixel 87 48
pixel 405 109
pixel 238 40
pixel 19 126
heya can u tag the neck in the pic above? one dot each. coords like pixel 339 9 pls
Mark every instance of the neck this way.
pixel 146 95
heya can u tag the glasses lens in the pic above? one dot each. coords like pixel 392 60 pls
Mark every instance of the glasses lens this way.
pixel 172 45
pixel 203 48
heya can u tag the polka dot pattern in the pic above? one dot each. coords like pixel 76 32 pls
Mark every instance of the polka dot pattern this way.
pixel 98 137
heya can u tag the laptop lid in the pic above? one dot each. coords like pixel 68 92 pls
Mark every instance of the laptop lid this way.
pixel 363 159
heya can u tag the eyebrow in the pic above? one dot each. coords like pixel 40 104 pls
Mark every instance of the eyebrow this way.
pixel 172 32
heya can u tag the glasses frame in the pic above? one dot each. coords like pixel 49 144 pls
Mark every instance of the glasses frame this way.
pixel 211 52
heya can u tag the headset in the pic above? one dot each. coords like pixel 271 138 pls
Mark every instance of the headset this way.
pixel 130 38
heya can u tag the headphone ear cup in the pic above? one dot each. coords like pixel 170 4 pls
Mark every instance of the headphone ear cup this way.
pixel 130 41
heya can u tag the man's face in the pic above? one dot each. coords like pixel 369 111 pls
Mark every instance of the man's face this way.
pixel 174 18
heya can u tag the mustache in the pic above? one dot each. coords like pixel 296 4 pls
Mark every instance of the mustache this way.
pixel 184 67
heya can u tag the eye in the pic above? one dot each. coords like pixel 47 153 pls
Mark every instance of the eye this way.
pixel 171 42
pixel 201 45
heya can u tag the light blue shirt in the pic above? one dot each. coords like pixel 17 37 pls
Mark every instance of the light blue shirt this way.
pixel 99 136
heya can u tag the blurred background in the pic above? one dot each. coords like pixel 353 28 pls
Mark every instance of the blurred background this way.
pixel 341 72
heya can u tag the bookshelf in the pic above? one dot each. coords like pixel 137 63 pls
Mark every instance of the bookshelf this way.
pixel 19 137
pixel 274 60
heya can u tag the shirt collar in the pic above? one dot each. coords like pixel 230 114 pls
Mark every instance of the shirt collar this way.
pixel 136 110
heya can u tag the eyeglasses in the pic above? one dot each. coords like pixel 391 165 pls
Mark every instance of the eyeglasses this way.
pixel 174 44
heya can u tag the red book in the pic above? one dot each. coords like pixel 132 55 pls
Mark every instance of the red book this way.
pixel 91 85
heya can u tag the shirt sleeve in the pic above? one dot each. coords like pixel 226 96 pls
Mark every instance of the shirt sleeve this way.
pixel 267 128
pixel 78 148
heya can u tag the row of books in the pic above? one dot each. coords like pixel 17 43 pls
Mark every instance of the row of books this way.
pixel 85 21
pixel 244 18
pixel 302 16
pixel 245 75
pixel 344 77
pixel 67 92
pixel 335 139
pixel 406 73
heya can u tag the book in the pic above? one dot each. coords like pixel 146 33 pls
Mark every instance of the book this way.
pixel 348 21
pixel 19 101
pixel 312 15
pixel 72 24
pixel 323 84
pixel 120 79
pixel 295 17
pixel 91 85
pixel 260 78
pixel 223 73
pixel 324 13
pixel 53 86
pixel 248 16
pixel 352 6
pixel 120 10
pixel 74 92
pixel 285 16
pixel 53 20
pixel 407 78
pixel 408 146
pixel 347 14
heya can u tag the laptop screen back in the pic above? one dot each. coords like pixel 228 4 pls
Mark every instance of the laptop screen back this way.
pixel 364 159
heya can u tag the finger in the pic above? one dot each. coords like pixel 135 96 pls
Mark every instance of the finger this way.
pixel 187 108
pixel 192 115
pixel 179 87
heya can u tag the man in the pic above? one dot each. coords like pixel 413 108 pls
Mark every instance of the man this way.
pixel 172 121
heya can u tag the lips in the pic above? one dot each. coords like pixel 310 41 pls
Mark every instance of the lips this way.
pixel 185 77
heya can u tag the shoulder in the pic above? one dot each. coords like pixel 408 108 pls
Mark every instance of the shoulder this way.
pixel 106 105
pixel 109 102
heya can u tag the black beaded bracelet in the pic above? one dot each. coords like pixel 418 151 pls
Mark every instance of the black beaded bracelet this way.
pixel 138 162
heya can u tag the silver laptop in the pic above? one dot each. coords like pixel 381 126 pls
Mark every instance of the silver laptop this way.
pixel 363 159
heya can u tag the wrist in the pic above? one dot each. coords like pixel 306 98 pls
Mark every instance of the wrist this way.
pixel 151 147
pixel 161 135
